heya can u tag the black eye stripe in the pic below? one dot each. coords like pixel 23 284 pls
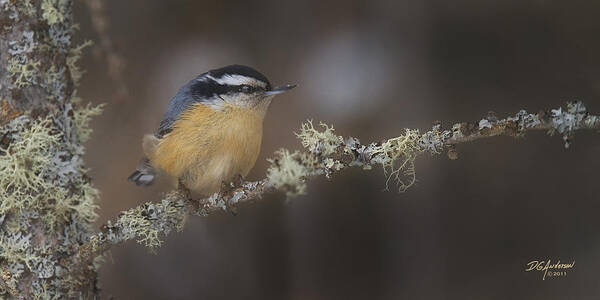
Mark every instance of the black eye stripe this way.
pixel 209 88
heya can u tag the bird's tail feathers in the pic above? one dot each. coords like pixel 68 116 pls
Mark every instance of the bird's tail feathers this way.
pixel 145 173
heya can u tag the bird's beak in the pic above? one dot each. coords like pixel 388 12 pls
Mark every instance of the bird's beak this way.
pixel 280 89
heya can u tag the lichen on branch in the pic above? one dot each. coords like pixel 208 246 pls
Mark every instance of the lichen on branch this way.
pixel 325 154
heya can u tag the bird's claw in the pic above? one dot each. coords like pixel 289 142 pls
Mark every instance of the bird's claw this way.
pixel 183 189
pixel 227 187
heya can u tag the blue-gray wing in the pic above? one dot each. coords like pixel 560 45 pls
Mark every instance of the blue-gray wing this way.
pixel 199 90
pixel 178 104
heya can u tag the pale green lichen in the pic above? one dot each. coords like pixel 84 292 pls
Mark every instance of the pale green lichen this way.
pixel 31 167
pixel 23 73
pixel 23 163
pixel 15 249
pixel 333 164
pixel 73 58
pixel 66 205
pixel 591 121
pixel 140 227
pixel 397 156
pixel 15 9
pixel 53 11
pixel 289 171
pixel 41 187
pixel 148 222
pixel 47 204
pixel 82 117
pixel 28 8
pixel 324 142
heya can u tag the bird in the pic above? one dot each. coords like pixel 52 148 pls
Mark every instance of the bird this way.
pixel 211 132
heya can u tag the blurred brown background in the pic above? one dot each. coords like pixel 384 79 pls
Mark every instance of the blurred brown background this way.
pixel 372 68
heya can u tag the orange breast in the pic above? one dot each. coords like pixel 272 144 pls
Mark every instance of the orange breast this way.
pixel 207 146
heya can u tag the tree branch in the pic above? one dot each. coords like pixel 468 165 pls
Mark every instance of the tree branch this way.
pixel 327 153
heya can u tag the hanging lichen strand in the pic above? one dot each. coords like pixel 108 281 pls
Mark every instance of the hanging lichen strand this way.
pixel 47 203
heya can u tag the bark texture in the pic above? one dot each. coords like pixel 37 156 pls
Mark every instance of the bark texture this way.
pixel 47 204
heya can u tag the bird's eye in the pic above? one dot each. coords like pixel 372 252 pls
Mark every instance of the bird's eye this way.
pixel 246 88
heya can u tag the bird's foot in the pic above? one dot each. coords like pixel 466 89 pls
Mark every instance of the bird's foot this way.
pixel 184 190
pixel 236 182
pixel 228 187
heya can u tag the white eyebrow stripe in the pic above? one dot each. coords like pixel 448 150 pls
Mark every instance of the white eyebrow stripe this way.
pixel 237 80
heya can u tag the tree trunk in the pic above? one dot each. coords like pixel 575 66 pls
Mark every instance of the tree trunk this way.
pixel 47 204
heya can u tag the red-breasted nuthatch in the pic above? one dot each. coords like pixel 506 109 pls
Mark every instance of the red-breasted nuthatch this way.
pixel 212 130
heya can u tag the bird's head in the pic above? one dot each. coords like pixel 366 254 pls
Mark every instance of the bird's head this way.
pixel 236 85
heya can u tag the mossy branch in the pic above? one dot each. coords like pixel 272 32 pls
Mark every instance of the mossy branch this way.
pixel 325 154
